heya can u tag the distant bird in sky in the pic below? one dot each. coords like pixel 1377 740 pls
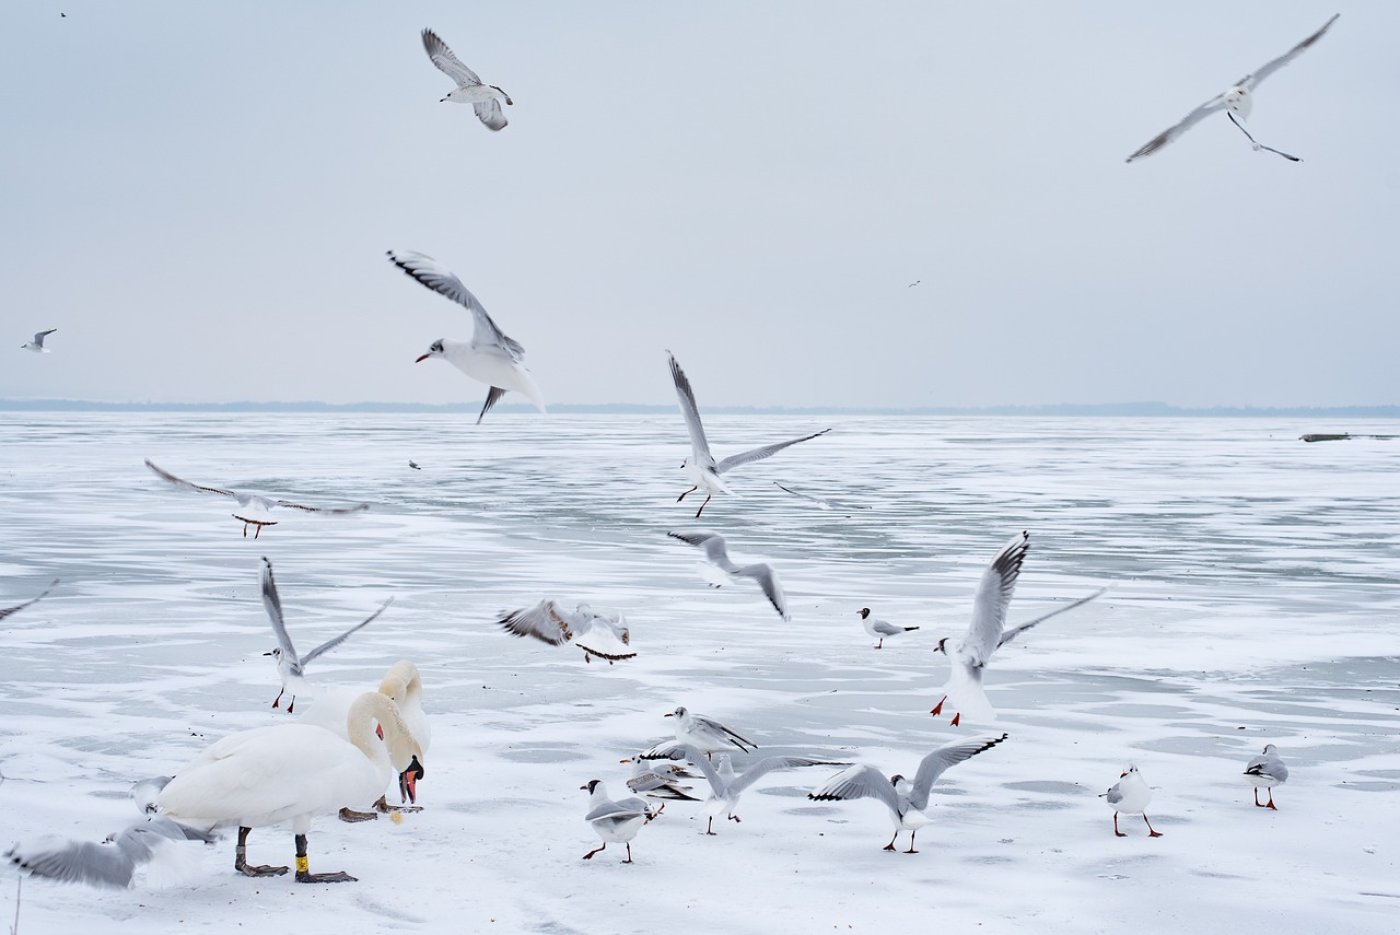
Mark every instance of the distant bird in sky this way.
pixel 291 666
pixel 414 465
pixel 701 468
pixel 717 553
pixel 880 628
pixel 486 99
pixel 253 509
pixel 597 635
pixel 913 284
pixel 1264 772
pixel 1130 795
pixel 1239 99
pixel 6 611
pixel 490 356
pixel 37 345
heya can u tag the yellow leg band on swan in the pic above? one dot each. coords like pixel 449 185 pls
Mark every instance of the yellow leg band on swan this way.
pixel 302 865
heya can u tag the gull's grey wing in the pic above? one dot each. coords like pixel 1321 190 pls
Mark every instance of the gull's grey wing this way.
pixel 768 764
pixel 489 112
pixel 112 863
pixel 697 758
pixel 1252 80
pixel 145 792
pixel 993 598
pixel 666 750
pixel 725 731
pixel 547 621
pixel 332 644
pixel 699 445
pixel 6 611
pixel 885 628
pixel 442 281
pixel 493 396
pixel 933 765
pixel 1269 766
pixel 1114 794
pixel 805 496
pixel 40 335
pixel 857 782
pixel 758 454
pixel 630 807
pixel 714 546
pixel 1011 634
pixel 166 475
pixel 447 63
pixel 273 603
pixel 1190 120
pixel 357 508
pixel 767 579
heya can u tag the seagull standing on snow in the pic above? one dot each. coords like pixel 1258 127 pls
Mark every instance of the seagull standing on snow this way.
pixel 701 468
pixel 726 786
pixel 1264 772
pixel 253 510
pixel 291 666
pixel 718 554
pixel 597 635
pixel 880 628
pixel 37 345
pixel 1130 795
pixel 986 633
pixel 1239 99
pixel 615 822
pixel 905 800
pixel 486 99
pixel 490 356
pixel 6 611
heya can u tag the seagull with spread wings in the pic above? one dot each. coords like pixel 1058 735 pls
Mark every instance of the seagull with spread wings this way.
pixel 253 509
pixel 490 356
pixel 37 345
pixel 597 635
pixel 486 99
pixel 987 633
pixel 1238 100
pixel 701 468
pixel 717 552
pixel 726 786
pixel 291 666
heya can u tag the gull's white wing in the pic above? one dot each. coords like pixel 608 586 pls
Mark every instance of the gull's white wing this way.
pixel 1252 80
pixel 6 611
pixel 359 507
pixel 858 782
pixel 548 622
pixel 442 281
pixel 699 445
pixel 941 759
pixel 696 758
pixel 273 603
pixel 768 764
pixel 758 454
pixel 1190 120
pixel 332 644
pixel 767 579
pixel 489 112
pixel 186 485
pixel 1011 634
pixel 993 597
pixel 447 63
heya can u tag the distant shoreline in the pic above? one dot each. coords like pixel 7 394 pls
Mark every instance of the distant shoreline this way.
pixel 1142 409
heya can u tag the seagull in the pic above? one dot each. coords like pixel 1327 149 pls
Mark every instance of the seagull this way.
pixel 615 822
pixel 414 465
pixel 1130 795
pixel 1239 99
pixel 660 780
pixel 718 554
pixel 112 863
pixel 905 800
pixel 253 509
pixel 880 628
pixel 251 779
pixel 986 634
pixel 291 666
pixel 37 345
pixel 597 635
pixel 486 99
pixel 490 356
pixel 703 733
pixel 726 786
pixel 701 468
pixel 6 611
pixel 1266 771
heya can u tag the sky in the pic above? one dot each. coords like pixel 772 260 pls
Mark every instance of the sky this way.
pixel 199 197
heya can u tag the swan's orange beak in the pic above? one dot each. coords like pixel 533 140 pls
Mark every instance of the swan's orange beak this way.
pixel 408 782
pixel 423 358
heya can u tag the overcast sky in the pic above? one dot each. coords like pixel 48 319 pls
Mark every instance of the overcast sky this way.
pixel 199 197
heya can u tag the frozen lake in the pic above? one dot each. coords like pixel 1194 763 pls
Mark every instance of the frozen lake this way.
pixel 1253 599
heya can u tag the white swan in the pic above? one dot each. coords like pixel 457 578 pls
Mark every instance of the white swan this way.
pixel 266 776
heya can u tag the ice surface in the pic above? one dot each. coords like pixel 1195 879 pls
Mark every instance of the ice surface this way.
pixel 1254 599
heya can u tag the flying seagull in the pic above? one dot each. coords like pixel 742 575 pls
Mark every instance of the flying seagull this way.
pixel 490 356
pixel 595 634
pixel 726 786
pixel 290 665
pixel 987 633
pixel 253 509
pixel 701 468
pixel 37 345
pixel 114 862
pixel 1239 99
pixel 6 611
pixel 718 555
pixel 486 99
pixel 414 465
